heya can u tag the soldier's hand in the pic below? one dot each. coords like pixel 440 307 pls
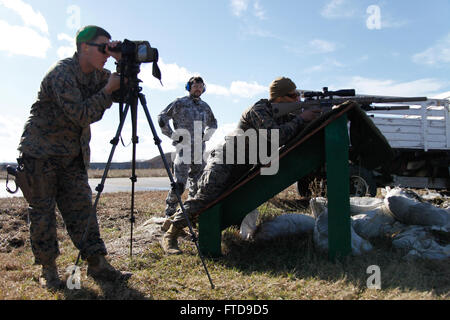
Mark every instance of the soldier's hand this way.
pixel 115 55
pixel 310 115
pixel 113 83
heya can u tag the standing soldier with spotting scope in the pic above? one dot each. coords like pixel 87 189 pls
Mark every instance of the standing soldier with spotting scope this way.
pixel 55 154
pixel 185 113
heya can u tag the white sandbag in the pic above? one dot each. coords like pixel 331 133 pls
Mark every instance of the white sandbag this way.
pixel 372 224
pixel 418 242
pixel 360 205
pixel 318 205
pixel 358 244
pixel 285 225
pixel 248 225
pixel 406 207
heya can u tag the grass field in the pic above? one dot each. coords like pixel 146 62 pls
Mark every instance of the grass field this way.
pixel 288 268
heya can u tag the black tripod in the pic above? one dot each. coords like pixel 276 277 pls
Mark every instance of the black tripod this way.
pixel 132 98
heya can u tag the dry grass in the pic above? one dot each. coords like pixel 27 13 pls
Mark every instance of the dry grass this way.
pixel 286 268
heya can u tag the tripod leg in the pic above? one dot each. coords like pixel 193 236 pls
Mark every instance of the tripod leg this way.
pixel 101 186
pixel 172 181
pixel 133 178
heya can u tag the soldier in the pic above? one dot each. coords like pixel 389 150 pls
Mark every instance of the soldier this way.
pixel 55 153
pixel 187 113
pixel 217 176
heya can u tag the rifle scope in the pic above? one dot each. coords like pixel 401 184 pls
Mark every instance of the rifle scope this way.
pixel 328 94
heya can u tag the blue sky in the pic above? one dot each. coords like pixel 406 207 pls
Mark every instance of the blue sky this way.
pixel 238 46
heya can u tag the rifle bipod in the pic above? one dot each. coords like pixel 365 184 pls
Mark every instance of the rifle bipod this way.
pixel 157 141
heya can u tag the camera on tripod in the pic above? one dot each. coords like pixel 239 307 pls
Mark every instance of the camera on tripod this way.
pixel 133 54
pixel 136 51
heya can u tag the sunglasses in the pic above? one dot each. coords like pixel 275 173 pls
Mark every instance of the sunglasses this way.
pixel 293 95
pixel 101 47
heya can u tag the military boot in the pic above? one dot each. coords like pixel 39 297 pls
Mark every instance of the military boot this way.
pixel 100 269
pixel 169 241
pixel 49 277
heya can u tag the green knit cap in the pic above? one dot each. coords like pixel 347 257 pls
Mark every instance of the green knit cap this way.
pixel 89 33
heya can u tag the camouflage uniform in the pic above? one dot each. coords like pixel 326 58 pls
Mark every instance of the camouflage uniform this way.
pixel 56 154
pixel 184 112
pixel 217 177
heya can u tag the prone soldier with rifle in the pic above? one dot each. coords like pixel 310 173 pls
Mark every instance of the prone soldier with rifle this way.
pixel 325 100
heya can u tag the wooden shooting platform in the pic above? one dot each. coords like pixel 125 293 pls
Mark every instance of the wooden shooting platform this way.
pixel 325 141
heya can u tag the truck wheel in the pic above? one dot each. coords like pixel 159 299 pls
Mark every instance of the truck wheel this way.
pixel 362 182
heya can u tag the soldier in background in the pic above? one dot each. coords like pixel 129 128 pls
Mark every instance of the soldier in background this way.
pixel 217 175
pixel 185 113
pixel 55 153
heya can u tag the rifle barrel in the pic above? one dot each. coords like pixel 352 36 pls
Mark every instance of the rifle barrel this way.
pixel 281 109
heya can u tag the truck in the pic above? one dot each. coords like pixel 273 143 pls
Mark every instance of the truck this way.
pixel 419 135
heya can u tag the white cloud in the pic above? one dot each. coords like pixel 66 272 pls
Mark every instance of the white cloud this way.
pixel 173 76
pixel 239 6
pixel 336 9
pixel 439 53
pixel 247 90
pixel 10 131
pixel 421 87
pixel 146 149
pixel 258 10
pixel 218 90
pixel 239 89
pixel 444 95
pixel 29 17
pixel 67 50
pixel 22 41
pixel 322 46
pixel 326 65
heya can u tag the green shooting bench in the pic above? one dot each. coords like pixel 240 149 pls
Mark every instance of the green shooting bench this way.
pixel 324 141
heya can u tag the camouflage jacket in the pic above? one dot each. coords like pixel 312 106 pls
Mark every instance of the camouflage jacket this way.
pixel 259 116
pixel 184 112
pixel 68 102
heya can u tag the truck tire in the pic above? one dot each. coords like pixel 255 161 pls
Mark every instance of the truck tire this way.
pixel 362 183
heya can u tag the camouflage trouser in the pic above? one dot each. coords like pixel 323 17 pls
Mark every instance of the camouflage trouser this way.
pixel 183 173
pixel 62 182
pixel 215 179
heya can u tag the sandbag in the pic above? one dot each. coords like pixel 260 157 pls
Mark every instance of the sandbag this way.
pixel 358 244
pixel 285 225
pixel 358 205
pixel 419 242
pixel 372 224
pixel 248 225
pixel 406 207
